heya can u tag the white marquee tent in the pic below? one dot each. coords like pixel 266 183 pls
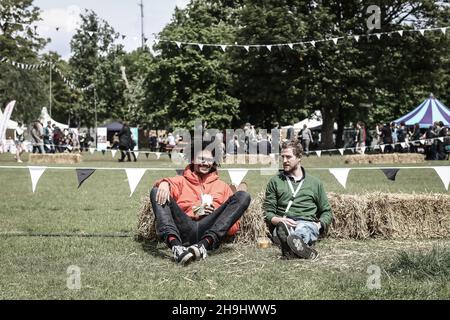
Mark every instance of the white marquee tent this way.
pixel 45 117
pixel 313 122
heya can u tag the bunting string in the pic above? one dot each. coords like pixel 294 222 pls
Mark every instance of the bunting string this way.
pixel 293 44
pixel 26 66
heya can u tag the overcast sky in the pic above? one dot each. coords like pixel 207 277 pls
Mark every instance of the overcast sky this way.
pixel 122 15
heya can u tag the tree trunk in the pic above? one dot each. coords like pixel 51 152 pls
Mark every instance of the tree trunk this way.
pixel 340 128
pixel 328 117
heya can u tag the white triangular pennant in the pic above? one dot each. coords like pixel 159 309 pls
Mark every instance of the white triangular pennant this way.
pixel 90 33
pixel 137 154
pixel 400 32
pixel 134 176
pixel 313 43
pixel 341 151
pixel 92 150
pixel 247 48
pixel 335 40
pixel 441 139
pixel 443 30
pixel 224 47
pixel 200 46
pixel 158 155
pixel 422 32
pixel 319 153
pixel 444 174
pixel 341 175
pixel 269 47
pixel 422 141
pixel 35 173
pixel 378 35
pixel 404 145
pixel 237 175
pixel 113 152
pixel 356 38
pixel 178 44
pixel 382 146
pixel 363 149
pixel 290 45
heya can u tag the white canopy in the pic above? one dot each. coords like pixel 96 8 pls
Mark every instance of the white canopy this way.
pixel 11 124
pixel 45 117
pixel 313 122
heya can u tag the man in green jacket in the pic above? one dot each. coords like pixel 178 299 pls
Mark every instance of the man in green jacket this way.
pixel 296 206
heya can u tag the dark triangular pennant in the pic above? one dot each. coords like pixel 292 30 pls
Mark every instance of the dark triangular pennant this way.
pixel 146 155
pixel 180 172
pixel 390 173
pixel 83 174
pixel 103 152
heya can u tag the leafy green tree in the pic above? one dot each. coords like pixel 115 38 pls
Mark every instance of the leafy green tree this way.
pixel 20 43
pixel 187 83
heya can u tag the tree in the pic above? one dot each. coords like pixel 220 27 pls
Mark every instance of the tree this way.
pixel 20 43
pixel 187 83
pixel 95 62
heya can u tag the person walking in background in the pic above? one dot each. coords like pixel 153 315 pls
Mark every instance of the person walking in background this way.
pixel 37 134
pixel 306 138
pixel 19 138
pixel 124 142
pixel 360 137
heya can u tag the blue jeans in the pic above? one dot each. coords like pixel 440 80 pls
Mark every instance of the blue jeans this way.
pixel 307 230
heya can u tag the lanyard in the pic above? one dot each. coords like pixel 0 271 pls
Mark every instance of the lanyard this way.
pixel 294 192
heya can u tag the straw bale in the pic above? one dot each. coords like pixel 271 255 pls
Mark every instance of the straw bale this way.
pixel 55 158
pixel 388 158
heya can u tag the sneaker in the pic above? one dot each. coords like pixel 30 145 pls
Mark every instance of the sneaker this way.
pixel 300 248
pixel 282 235
pixel 199 251
pixel 182 255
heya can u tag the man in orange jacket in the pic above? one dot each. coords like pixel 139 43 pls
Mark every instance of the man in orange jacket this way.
pixel 196 211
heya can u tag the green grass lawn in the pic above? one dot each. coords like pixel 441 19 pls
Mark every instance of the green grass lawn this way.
pixel 120 268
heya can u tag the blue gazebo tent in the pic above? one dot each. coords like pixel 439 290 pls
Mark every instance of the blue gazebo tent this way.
pixel 427 113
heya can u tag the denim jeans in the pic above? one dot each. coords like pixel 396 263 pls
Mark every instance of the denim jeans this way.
pixel 307 230
pixel 171 220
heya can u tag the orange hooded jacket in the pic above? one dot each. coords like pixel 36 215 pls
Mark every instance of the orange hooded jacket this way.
pixel 187 191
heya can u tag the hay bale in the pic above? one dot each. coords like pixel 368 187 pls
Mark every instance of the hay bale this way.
pixel 363 216
pixel 55 158
pixel 384 158
pixel 390 216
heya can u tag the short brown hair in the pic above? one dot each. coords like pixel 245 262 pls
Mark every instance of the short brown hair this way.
pixel 296 147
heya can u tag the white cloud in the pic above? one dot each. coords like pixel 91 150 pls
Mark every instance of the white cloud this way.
pixel 182 3
pixel 66 19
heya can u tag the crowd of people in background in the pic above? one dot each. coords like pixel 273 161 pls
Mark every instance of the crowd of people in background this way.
pixel 52 139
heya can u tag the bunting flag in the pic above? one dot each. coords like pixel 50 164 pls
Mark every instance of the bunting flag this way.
pixel 200 46
pixel 356 38
pixel 404 145
pixel 290 45
pixel 158 155
pixel 341 151
pixel 341 175
pixel 378 35
pixel 443 30
pixel 269 47
pixel 237 175
pixel 103 152
pixel 319 153
pixel 224 47
pixel 247 48
pixel 441 139
pixel 179 172
pixel 390 173
pixel 113 152
pixel 134 176
pixel 400 32
pixel 422 142
pixel 137 154
pixel 444 174
pixel 178 44
pixel 363 150
pixel 92 150
pixel 335 40
pixel 83 174
pixel 146 155
pixel 35 173
pixel 422 32
pixel 382 146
